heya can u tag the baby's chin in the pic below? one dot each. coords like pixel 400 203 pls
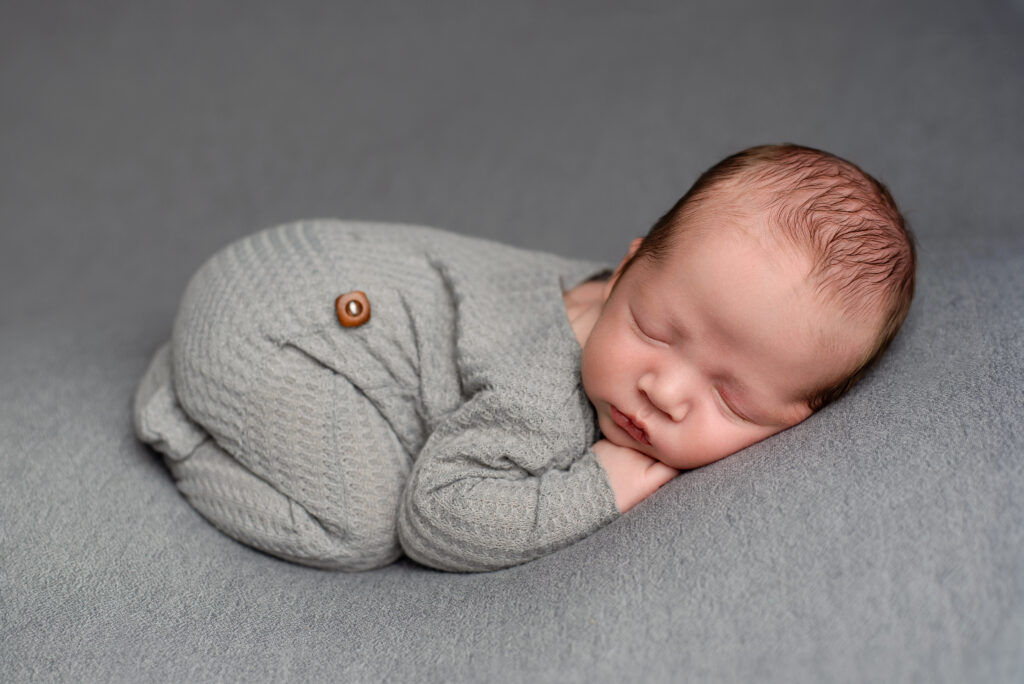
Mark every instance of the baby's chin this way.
pixel 622 443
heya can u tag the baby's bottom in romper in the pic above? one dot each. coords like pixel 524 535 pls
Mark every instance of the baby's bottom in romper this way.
pixel 321 491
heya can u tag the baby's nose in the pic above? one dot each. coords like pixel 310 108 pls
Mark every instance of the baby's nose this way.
pixel 669 395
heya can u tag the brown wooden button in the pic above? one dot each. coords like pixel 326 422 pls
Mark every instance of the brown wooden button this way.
pixel 353 308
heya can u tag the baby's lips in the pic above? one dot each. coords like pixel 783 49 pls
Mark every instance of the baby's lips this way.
pixel 632 428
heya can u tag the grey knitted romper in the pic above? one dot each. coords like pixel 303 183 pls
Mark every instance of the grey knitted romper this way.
pixel 451 426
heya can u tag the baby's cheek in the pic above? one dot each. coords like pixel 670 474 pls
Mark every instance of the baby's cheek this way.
pixel 590 374
pixel 748 437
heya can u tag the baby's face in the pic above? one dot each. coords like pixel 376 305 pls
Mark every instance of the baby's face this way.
pixel 710 351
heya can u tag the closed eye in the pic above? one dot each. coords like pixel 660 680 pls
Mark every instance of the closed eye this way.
pixel 728 408
pixel 640 331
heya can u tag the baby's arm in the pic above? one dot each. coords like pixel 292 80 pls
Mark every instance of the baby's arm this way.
pixel 633 476
pixel 495 486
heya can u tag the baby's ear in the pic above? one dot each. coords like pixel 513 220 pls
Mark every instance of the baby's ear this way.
pixel 633 247
pixel 620 269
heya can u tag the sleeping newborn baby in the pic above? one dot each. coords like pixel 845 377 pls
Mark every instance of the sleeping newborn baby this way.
pixel 340 393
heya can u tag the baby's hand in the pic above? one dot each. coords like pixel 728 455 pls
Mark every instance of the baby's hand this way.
pixel 633 476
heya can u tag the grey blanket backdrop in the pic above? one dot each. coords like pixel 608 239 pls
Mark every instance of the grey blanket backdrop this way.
pixel 881 540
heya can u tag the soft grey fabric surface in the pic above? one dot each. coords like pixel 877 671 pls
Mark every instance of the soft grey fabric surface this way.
pixel 879 541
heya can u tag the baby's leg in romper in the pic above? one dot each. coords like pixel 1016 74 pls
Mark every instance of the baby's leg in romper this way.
pixel 319 474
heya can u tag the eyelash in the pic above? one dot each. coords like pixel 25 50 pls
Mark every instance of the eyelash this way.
pixel 721 400
pixel 729 408
pixel 636 324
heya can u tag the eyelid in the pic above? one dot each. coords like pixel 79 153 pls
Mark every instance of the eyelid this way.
pixel 636 324
pixel 728 407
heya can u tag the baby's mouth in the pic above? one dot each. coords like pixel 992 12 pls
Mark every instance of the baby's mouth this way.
pixel 627 424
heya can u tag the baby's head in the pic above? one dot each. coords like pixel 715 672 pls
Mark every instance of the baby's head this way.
pixel 764 294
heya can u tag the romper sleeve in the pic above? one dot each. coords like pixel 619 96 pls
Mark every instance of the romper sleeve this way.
pixel 500 482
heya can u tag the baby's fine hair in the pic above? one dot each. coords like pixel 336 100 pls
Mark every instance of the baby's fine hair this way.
pixel 862 249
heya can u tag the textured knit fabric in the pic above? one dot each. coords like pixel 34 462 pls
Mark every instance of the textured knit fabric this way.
pixel 452 426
